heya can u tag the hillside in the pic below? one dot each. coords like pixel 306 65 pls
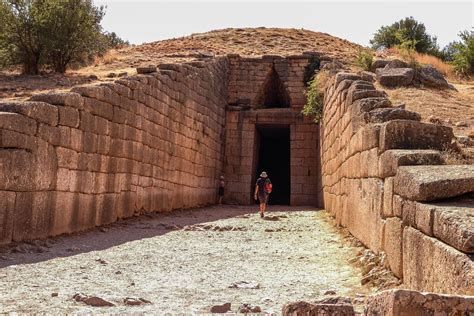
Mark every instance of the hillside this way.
pixel 450 106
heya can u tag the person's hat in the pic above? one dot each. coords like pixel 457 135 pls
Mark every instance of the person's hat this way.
pixel 263 174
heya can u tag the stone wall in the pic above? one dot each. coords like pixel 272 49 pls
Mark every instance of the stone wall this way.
pixel 384 179
pixel 146 143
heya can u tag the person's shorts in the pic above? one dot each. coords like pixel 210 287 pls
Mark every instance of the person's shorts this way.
pixel 221 191
pixel 263 198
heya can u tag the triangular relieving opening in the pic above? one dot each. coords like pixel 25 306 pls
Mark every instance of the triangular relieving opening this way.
pixel 273 93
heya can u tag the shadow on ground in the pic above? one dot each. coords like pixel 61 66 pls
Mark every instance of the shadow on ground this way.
pixel 123 231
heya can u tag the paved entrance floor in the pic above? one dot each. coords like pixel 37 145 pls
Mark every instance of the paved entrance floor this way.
pixel 184 262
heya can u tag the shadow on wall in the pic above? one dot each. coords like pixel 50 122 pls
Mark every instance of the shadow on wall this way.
pixel 273 93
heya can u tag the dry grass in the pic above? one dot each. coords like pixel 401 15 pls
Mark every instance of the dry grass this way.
pixel 108 58
pixel 446 69
pixel 449 106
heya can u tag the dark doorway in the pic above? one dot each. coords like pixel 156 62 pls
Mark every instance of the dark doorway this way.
pixel 273 93
pixel 273 154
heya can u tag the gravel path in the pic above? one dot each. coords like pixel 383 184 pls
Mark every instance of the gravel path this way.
pixel 184 262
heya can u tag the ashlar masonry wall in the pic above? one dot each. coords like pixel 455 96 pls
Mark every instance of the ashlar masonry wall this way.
pixel 384 179
pixel 248 80
pixel 146 143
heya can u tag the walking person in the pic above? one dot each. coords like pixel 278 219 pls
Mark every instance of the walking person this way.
pixel 220 192
pixel 263 188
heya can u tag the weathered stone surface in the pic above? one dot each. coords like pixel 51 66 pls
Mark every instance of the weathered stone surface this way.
pixel 395 77
pixel 332 307
pixel 39 111
pixel 33 215
pixel 396 63
pixel 428 183
pixel 7 204
pixel 431 265
pixel 389 114
pixel 403 134
pixel 393 241
pixel 406 302
pixel 390 160
pixel 453 223
pixel 379 63
pixel 367 76
pixel 147 69
pixel 363 218
pixel 60 98
pixel 18 123
pixel 220 309
pixel 431 77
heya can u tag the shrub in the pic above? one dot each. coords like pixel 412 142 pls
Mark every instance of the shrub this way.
pixel 407 29
pixel 408 53
pixel 364 59
pixel 314 96
pixel 463 58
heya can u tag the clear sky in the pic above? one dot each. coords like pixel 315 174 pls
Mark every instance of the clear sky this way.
pixel 148 20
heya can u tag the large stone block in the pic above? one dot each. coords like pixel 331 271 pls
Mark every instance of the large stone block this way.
pixel 428 183
pixel 395 77
pixel 431 265
pixel 38 111
pixel 33 217
pixel 365 202
pixel 7 205
pixel 453 223
pixel 17 122
pixel 406 134
pixel 16 171
pixel 393 242
pixel 328 307
pixel 412 303
pixel 61 98
pixel 390 160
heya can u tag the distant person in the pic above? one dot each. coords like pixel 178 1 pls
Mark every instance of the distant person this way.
pixel 221 189
pixel 263 188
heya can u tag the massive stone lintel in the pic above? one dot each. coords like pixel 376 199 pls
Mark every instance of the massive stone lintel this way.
pixel 429 183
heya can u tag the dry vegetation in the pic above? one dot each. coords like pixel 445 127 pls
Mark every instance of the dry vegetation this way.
pixel 450 106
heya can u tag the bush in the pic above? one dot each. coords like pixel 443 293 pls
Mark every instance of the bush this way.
pixel 314 96
pixel 408 53
pixel 407 29
pixel 364 59
pixel 463 57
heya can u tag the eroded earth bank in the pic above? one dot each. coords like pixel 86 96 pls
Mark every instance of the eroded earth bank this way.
pixel 186 261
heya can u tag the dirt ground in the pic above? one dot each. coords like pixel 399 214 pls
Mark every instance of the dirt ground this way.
pixel 185 262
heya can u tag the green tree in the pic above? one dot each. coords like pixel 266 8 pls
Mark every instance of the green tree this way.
pixel 463 57
pixel 51 32
pixel 114 41
pixel 71 29
pixel 407 29
pixel 20 39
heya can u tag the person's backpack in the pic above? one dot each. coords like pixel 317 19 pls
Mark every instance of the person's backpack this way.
pixel 268 186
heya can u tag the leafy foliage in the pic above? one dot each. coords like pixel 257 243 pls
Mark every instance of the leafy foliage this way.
pixel 114 41
pixel 310 69
pixel 364 59
pixel 408 52
pixel 314 96
pixel 463 56
pixel 51 32
pixel 407 29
